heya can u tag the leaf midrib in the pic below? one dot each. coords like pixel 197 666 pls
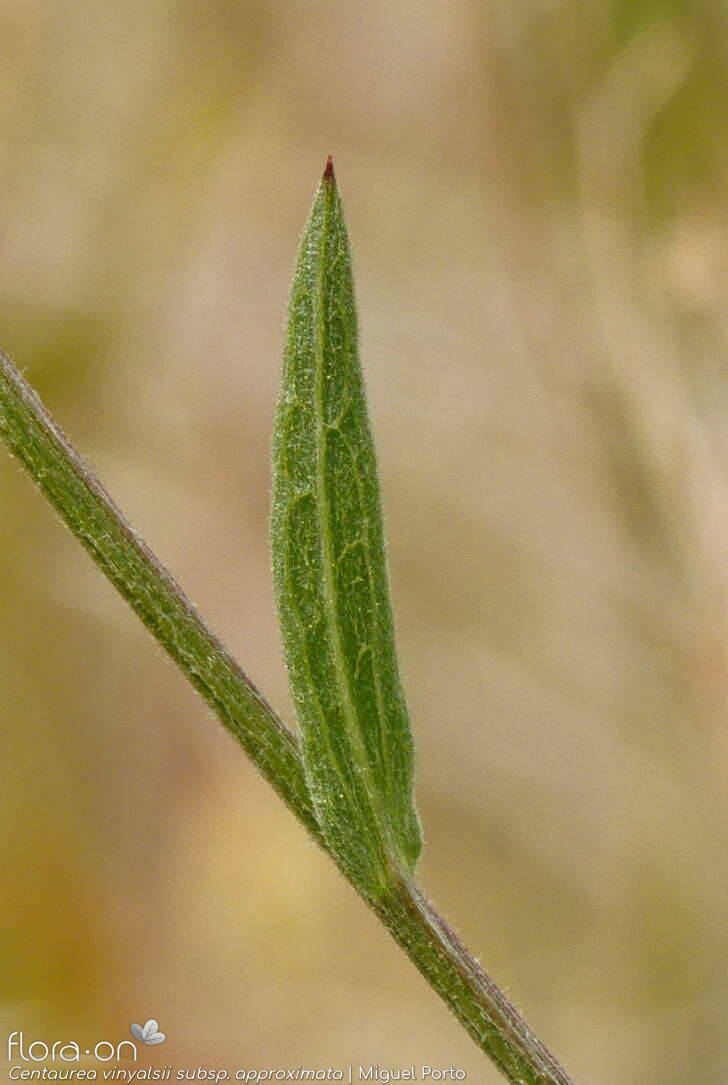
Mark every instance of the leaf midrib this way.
pixel 340 669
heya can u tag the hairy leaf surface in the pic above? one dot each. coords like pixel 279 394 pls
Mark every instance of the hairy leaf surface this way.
pixel 330 570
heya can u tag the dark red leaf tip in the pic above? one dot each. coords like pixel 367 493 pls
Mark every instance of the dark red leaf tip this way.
pixel 329 171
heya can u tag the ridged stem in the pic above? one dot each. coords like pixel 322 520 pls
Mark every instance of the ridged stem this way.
pixel 86 508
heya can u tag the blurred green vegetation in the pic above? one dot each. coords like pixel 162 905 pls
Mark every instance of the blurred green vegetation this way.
pixel 536 195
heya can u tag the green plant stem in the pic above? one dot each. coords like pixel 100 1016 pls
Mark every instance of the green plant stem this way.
pixel 86 508
pixel 478 1003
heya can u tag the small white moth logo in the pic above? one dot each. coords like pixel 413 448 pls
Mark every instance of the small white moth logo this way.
pixel 148 1034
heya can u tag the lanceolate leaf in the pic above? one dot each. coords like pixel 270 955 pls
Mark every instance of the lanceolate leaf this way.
pixel 330 571
pixel 383 802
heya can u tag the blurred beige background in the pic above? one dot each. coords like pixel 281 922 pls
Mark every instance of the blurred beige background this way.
pixel 537 196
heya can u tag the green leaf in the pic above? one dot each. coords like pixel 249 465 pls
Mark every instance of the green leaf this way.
pixel 330 571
